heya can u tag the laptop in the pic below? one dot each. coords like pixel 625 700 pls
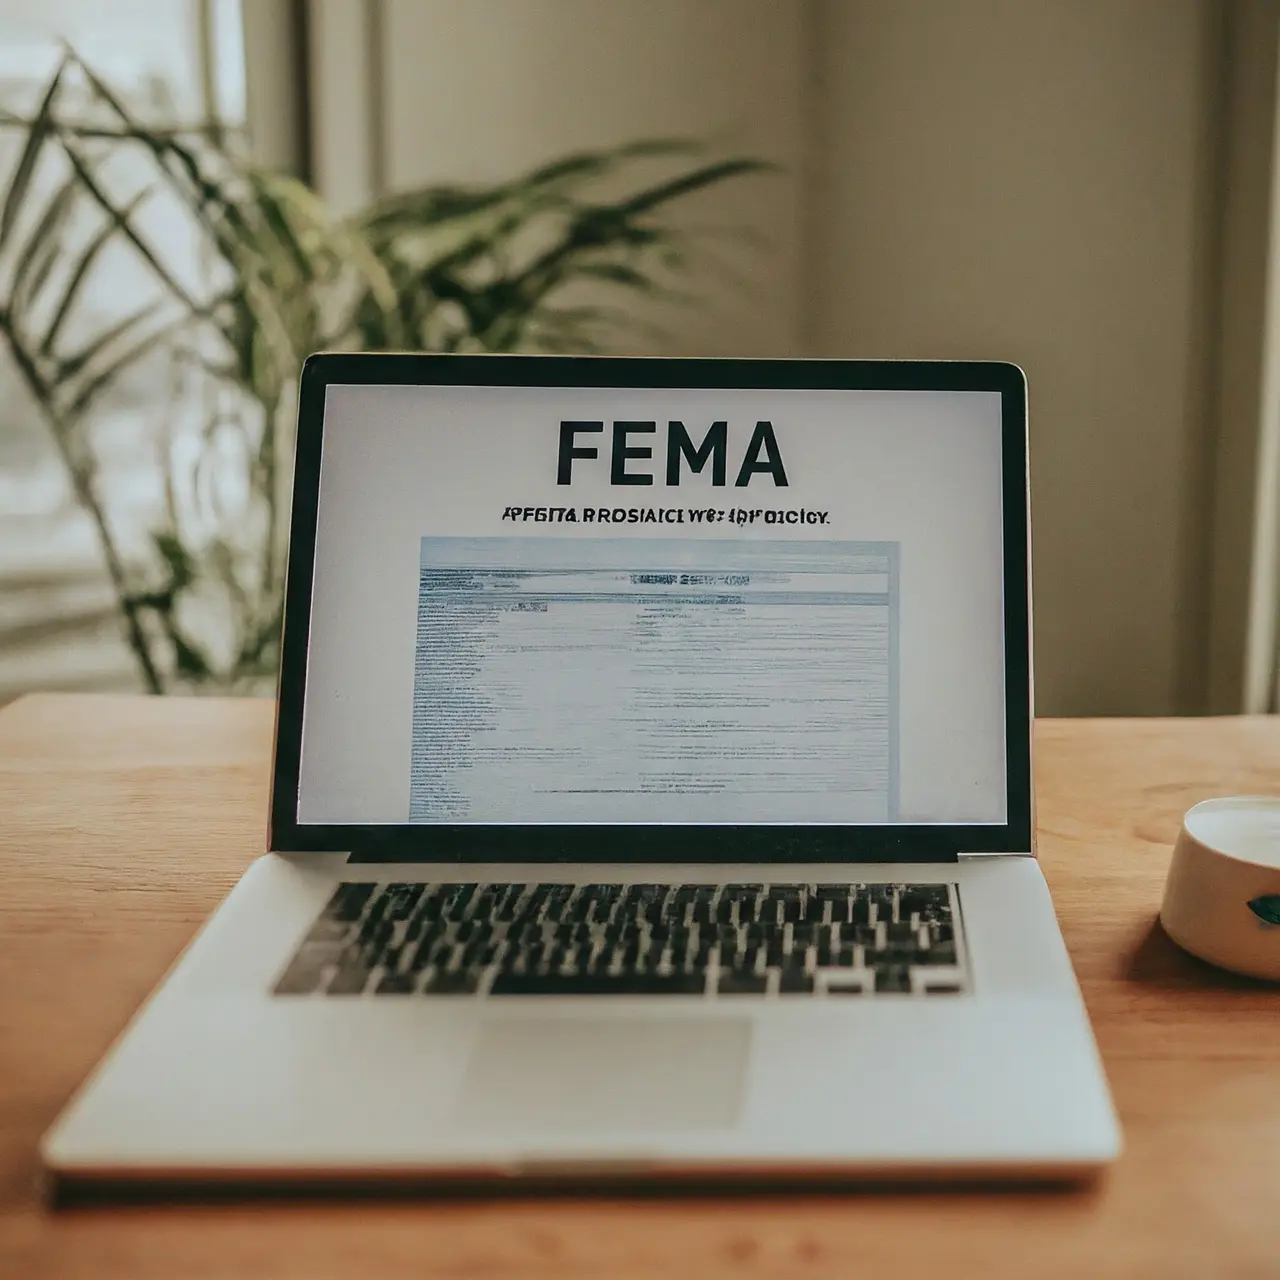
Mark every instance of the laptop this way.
pixel 651 798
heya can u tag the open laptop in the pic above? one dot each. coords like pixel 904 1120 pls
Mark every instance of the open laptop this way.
pixel 652 796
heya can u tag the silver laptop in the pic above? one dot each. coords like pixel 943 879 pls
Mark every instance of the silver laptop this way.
pixel 652 797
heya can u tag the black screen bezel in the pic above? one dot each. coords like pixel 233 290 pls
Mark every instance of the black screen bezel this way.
pixel 666 843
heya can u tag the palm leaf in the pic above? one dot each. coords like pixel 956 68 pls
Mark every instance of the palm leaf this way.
pixel 591 164
pixel 39 254
pixel 181 566
pixel 102 380
pixel 122 222
pixel 102 89
pixel 72 365
pixel 176 160
pixel 450 267
pixel 704 176
pixel 37 133
pixel 587 242
pixel 165 146
pixel 189 660
pixel 80 272
pixel 430 207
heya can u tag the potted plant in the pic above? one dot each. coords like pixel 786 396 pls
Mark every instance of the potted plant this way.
pixel 544 262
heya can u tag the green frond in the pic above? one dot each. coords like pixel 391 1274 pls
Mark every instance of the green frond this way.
pixel 24 170
pixel 554 259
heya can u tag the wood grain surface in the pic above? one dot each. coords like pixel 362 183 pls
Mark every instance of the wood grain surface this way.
pixel 124 821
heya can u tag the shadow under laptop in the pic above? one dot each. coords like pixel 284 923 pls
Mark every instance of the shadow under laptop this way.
pixel 79 1197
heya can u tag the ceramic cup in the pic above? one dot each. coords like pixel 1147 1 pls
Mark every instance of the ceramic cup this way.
pixel 1222 897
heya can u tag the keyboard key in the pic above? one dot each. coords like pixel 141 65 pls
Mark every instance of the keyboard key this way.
pixel 507 911
pixel 602 899
pixel 804 935
pixel 884 896
pixel 597 984
pixel 301 979
pixel 350 980
pixel 724 911
pixel 397 984
pixel 744 961
pixel 795 982
pixel 831 892
pixel 406 899
pixel 814 912
pixel 330 929
pixel 893 978
pixel 922 898
pixel 456 899
pixel 463 982
pixel 349 900
pixel 742 984
pixel 900 933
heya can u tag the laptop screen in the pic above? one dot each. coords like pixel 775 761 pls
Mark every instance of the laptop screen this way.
pixel 564 605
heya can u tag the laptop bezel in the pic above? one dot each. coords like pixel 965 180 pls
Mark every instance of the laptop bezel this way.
pixel 658 843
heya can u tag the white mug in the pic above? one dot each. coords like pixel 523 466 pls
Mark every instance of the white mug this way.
pixel 1222 897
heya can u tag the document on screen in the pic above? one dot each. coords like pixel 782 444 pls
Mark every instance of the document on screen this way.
pixel 655 681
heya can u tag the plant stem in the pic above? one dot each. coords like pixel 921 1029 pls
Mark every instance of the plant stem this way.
pixel 82 486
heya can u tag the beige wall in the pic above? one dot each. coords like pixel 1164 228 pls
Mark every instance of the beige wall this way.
pixel 1035 180
pixel 1026 179
pixel 482 89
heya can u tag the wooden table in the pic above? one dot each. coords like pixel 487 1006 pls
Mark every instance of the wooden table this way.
pixel 123 821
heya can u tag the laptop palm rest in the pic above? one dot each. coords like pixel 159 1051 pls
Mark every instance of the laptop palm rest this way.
pixel 600 1075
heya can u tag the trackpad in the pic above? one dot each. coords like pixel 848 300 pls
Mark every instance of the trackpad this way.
pixel 608 1074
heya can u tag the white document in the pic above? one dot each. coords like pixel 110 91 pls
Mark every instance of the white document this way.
pixel 655 680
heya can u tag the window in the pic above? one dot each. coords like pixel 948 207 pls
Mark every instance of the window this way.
pixel 168 59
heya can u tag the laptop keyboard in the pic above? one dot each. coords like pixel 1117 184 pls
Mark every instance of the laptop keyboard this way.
pixel 488 940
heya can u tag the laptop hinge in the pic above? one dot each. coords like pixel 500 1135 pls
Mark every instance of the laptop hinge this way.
pixel 962 856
